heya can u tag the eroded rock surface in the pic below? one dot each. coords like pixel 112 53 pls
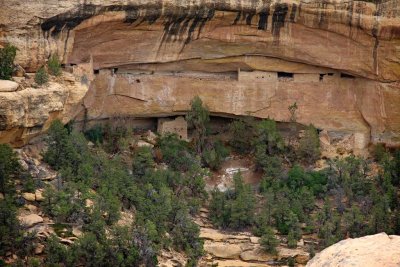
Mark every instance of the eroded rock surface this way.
pixel 368 251
pixel 27 113
pixel 338 60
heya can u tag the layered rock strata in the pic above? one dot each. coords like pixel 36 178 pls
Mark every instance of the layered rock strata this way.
pixel 338 60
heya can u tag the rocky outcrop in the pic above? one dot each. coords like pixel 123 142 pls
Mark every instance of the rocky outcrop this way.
pixel 8 86
pixel 27 113
pixel 338 60
pixel 374 250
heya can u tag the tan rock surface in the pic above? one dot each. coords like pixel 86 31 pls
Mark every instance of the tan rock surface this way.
pixel 153 56
pixel 8 86
pixel 223 250
pixel 27 113
pixel 29 196
pixel 367 251
pixel 30 220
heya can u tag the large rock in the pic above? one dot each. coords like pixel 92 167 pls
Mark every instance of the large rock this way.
pixel 339 60
pixel 223 250
pixel 30 220
pixel 27 113
pixel 367 251
pixel 8 86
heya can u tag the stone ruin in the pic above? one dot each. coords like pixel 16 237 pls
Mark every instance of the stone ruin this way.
pixel 177 126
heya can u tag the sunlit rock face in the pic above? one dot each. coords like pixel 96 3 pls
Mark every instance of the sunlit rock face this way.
pixel 338 60
pixel 368 251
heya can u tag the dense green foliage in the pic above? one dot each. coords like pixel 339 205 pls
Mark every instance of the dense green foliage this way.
pixel 41 76
pixel 54 65
pixel 7 56
pixel 233 208
pixel 163 199
pixel 12 238
pixel 309 145
pixel 198 118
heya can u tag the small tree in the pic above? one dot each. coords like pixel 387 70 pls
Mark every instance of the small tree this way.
pixel 41 76
pixel 54 65
pixel 7 56
pixel 9 166
pixel 309 148
pixel 269 242
pixel 198 118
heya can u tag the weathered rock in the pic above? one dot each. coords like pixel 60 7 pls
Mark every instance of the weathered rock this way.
pixel 8 86
pixel 215 235
pixel 39 195
pixel 29 196
pixel 77 231
pixel 238 263
pixel 30 220
pixel 255 255
pixel 367 251
pixel 142 143
pixel 27 113
pixel 223 250
pixel 299 255
pixel 161 53
pixel 39 249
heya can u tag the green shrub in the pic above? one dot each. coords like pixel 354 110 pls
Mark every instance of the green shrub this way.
pixel 215 155
pixel 7 56
pixel 309 148
pixel 269 242
pixel 233 209
pixel 41 76
pixel 242 132
pixel 95 134
pixel 198 118
pixel 54 65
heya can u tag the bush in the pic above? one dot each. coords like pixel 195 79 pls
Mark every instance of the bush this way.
pixel 269 242
pixel 198 118
pixel 41 76
pixel 7 56
pixel 242 132
pixel 95 134
pixel 233 209
pixel 54 65
pixel 214 155
pixel 309 148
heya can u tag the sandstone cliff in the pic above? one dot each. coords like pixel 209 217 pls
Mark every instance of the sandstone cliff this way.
pixel 339 60
pixel 367 251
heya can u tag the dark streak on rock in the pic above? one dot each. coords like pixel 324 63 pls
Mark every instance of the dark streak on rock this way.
pixel 249 18
pixel 239 14
pixel 292 17
pixel 263 20
pixel 278 20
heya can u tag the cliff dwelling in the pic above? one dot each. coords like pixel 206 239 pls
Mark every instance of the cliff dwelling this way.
pixel 200 133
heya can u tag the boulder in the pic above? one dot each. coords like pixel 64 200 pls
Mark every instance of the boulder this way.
pixel 238 263
pixel 368 251
pixel 299 255
pixel 142 143
pixel 77 231
pixel 8 86
pixel 39 249
pixel 1 196
pixel 256 254
pixel 39 195
pixel 30 220
pixel 29 196
pixel 223 250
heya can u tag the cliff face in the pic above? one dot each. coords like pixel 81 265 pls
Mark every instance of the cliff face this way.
pixel 338 60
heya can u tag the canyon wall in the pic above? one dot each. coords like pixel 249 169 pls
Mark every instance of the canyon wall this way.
pixel 338 60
